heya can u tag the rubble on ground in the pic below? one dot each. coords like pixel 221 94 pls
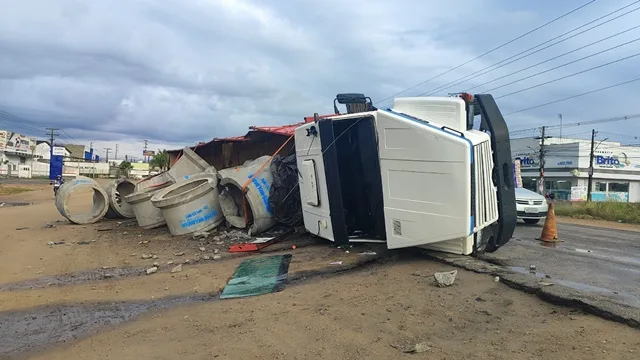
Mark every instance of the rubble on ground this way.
pixel 445 278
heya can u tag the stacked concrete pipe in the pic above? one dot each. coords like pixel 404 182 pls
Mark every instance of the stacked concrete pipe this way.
pixel 147 215
pixel 100 200
pixel 256 194
pixel 191 205
pixel 116 192
pixel 188 164
pixel 155 181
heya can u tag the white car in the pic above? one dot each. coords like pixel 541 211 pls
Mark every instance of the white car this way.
pixel 532 207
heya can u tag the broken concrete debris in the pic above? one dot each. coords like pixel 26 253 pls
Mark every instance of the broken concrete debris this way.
pixel 417 348
pixel 445 278
pixel 200 235
pixel 177 268
pixel 146 256
pixel 152 270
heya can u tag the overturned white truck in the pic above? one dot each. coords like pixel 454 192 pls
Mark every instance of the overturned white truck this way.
pixel 416 174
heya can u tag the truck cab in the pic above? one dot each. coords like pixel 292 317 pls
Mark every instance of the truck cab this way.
pixel 415 174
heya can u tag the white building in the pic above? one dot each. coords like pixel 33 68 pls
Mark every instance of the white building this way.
pixel 616 168
pixel 16 154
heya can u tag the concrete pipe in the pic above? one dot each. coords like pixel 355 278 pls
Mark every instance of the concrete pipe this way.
pixel 147 215
pixel 100 201
pixel 260 216
pixel 191 205
pixel 116 192
pixel 155 181
pixel 188 164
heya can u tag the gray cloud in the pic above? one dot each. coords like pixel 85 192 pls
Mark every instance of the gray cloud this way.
pixel 176 72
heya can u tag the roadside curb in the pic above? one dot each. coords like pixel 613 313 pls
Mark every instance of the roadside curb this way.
pixel 594 304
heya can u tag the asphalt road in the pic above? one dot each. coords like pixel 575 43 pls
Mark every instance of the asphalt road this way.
pixel 589 259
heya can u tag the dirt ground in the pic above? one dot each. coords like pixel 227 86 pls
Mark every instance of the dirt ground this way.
pixel 87 299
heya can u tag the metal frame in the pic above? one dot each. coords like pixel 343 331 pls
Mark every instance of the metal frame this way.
pixel 493 122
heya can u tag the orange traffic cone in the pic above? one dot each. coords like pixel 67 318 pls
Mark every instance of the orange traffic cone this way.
pixel 550 229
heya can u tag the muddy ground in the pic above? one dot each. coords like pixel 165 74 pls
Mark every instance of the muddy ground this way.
pixel 88 298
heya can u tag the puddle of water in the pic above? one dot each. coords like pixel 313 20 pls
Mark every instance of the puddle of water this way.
pixel 33 329
pixel 80 277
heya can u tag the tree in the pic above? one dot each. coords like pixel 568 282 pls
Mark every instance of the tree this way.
pixel 124 167
pixel 160 160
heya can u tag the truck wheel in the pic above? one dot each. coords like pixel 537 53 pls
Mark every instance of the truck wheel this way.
pixel 531 221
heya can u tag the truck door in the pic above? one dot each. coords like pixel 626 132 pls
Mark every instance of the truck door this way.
pixel 426 172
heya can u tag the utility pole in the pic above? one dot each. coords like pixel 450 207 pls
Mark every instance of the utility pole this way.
pixel 116 156
pixel 107 150
pixel 541 184
pixel 145 151
pixel 54 171
pixel 52 134
pixel 590 183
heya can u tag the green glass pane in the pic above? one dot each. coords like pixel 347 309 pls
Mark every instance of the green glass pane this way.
pixel 258 276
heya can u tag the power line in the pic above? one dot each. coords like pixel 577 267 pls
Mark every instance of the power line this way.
pixel 635 137
pixel 573 97
pixel 502 62
pixel 69 137
pixel 490 51
pixel 553 58
pixel 570 75
pixel 18 121
pixel 568 63
pixel 588 122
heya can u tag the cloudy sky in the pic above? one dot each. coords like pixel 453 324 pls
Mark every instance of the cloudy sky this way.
pixel 175 72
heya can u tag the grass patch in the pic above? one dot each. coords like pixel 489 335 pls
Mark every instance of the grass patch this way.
pixel 10 190
pixel 609 210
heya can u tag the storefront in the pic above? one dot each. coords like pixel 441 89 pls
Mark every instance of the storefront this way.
pixel 616 169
